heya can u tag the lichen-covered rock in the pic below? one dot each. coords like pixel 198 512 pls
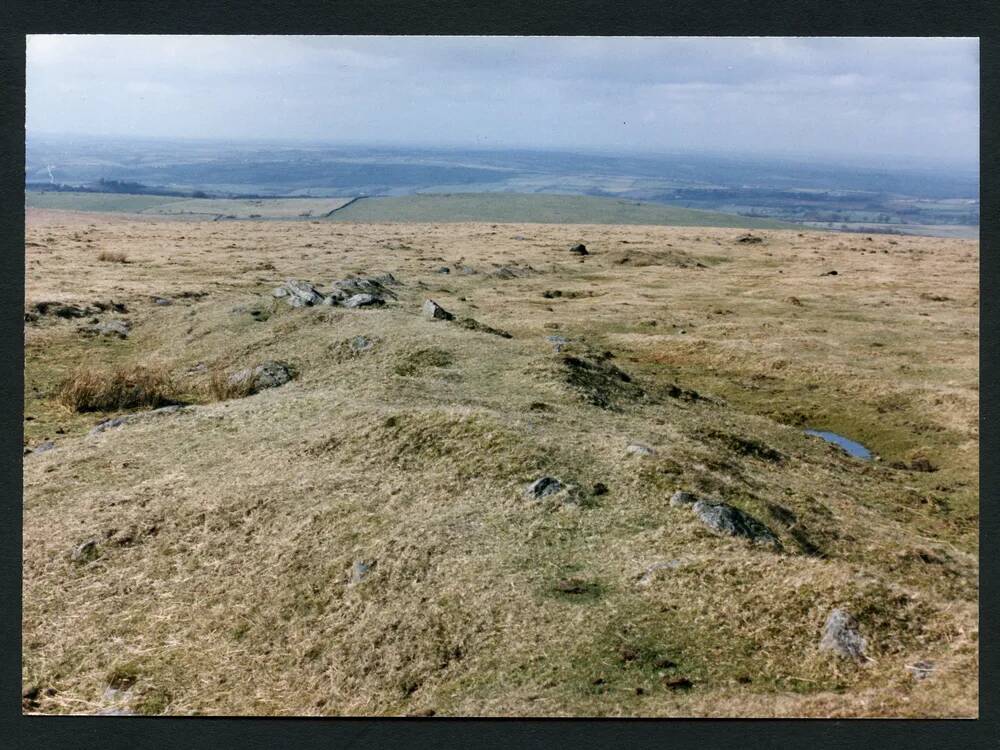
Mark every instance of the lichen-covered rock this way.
pixel 543 487
pixel 117 328
pixel 726 520
pixel 363 300
pixel 298 293
pixel 842 637
pixel 269 374
pixel 682 499
pixel 639 449
pixel 359 571
pixel 433 311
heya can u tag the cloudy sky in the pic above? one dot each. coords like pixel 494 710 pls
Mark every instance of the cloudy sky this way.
pixel 880 97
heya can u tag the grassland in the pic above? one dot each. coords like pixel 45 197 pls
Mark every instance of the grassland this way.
pixel 226 531
pixel 552 209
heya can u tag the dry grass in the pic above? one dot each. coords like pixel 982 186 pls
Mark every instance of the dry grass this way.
pixel 226 532
pixel 119 388
pixel 108 256
pixel 220 388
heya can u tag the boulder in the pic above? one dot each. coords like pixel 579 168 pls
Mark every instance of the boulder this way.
pixel 749 239
pixel 270 374
pixel 298 293
pixel 433 311
pixel 842 637
pixel 108 424
pixel 85 552
pixel 580 249
pixel 43 447
pixel 639 449
pixel 558 342
pixel 543 487
pixel 363 300
pixel 726 520
pixel 118 328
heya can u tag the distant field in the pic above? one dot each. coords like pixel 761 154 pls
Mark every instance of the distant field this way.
pixel 537 208
pixel 116 202
pixel 272 208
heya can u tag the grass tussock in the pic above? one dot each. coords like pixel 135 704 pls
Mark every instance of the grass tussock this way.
pixel 90 389
pixel 221 388
pixel 112 256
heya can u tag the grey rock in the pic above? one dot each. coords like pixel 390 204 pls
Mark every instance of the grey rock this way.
pixel 725 520
pixel 466 270
pixel 639 449
pixel 433 311
pixel 359 571
pixel 85 552
pixel 651 572
pixel 43 447
pixel 363 300
pixel 172 409
pixel 162 301
pixel 558 342
pixel 543 487
pixel 682 499
pixel 373 285
pixel 579 250
pixel 270 374
pixel 119 328
pixel 360 344
pixel 442 269
pixel 109 424
pixel 386 279
pixel 749 239
pixel 504 273
pixel 842 637
pixel 300 293
pixel 279 292
pixel 921 670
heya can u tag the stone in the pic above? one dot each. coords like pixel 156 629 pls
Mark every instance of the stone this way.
pixel 359 571
pixel 543 487
pixel 433 311
pixel 373 285
pixel 85 552
pixel 299 293
pixel 579 250
pixel 363 300
pixel 842 637
pixel 725 520
pixel 162 301
pixel 829 273
pixel 749 239
pixel 43 447
pixel 558 342
pixel 269 374
pixel 442 269
pixel 119 328
pixel 650 573
pixel 108 424
pixel 639 449
pixel 474 325
pixel 360 344
pixel 921 670
pixel 681 499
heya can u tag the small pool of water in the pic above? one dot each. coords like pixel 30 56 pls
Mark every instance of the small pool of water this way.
pixel 855 449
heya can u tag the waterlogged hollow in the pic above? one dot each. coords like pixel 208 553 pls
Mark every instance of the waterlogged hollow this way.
pixel 855 449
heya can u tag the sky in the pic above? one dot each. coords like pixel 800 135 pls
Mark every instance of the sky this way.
pixel 878 98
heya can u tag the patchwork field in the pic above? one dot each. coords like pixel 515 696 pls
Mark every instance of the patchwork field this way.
pixel 359 540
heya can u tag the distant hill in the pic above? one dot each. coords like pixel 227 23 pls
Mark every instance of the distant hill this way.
pixel 538 208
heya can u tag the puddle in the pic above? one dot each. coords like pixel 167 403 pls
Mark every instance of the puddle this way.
pixel 855 449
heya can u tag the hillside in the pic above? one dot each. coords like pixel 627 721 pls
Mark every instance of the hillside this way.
pixel 537 208
pixel 359 541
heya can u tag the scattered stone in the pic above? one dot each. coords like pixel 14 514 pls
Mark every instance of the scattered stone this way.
pixel 363 300
pixel 376 286
pixel 558 342
pixel 360 344
pixel 842 637
pixel 504 273
pixel 794 301
pixel 749 239
pixel 43 447
pixel 85 552
pixel 639 449
pixel 442 269
pixel 475 325
pixel 108 424
pixel 543 487
pixel 298 293
pixel 162 301
pixel 726 520
pixel 921 670
pixel 829 273
pixel 580 249
pixel 650 574
pixel 433 311
pixel 360 570
pixel 599 488
pixel 681 499
pixel 119 328
pixel 270 374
